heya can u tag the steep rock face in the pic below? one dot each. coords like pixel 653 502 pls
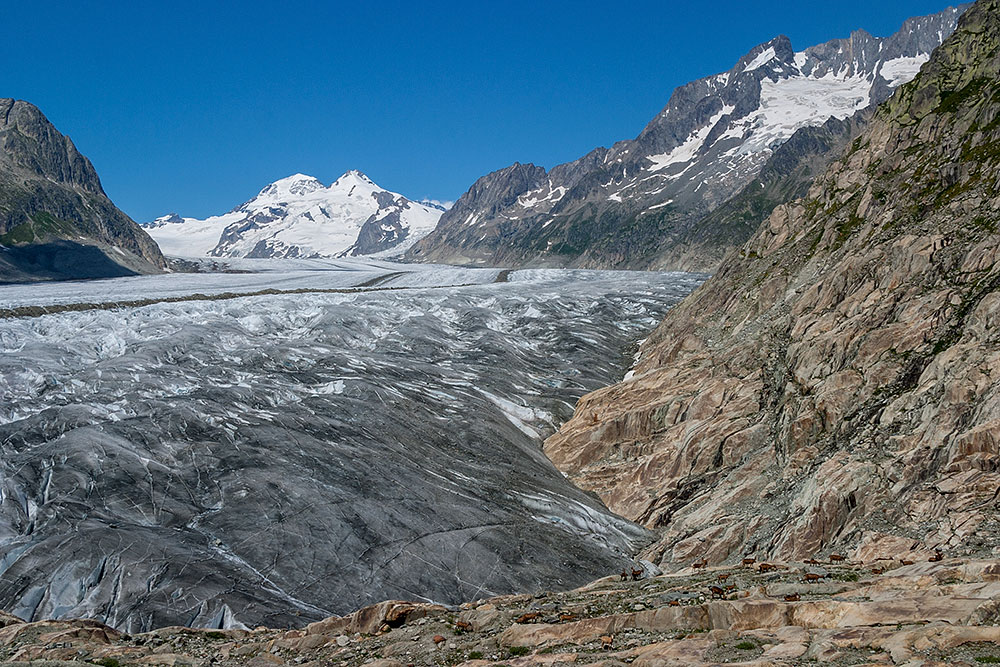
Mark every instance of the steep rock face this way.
pixel 836 382
pixel 487 198
pixel 641 203
pixel 55 219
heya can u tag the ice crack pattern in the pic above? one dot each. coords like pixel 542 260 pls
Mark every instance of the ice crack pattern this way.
pixel 278 458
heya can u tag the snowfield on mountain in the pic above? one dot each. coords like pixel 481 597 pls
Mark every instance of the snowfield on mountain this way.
pixel 298 216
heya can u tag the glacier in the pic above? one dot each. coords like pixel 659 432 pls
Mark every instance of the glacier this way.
pixel 281 457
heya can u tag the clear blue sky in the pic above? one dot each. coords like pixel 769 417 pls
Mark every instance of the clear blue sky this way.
pixel 194 106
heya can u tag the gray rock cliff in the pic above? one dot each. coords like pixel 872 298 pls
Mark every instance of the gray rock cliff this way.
pixel 56 222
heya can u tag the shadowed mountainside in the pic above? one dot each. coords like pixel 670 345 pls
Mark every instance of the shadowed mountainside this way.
pixel 56 222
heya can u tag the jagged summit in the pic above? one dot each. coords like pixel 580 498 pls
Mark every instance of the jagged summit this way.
pixel 353 177
pixel 169 218
pixel 639 203
pixel 777 50
pixel 299 216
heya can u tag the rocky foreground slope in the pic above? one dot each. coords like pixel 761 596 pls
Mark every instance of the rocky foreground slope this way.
pixel 56 222
pixel 837 383
pixel 643 203
pixel 926 613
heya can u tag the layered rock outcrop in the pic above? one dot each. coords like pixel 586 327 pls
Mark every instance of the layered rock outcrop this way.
pixel 55 219
pixel 836 382
pixel 925 614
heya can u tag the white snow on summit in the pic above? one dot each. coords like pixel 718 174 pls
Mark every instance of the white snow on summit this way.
pixel 788 102
pixel 801 101
pixel 689 149
pixel 298 216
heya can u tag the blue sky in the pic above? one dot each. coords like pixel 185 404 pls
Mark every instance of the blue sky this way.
pixel 194 106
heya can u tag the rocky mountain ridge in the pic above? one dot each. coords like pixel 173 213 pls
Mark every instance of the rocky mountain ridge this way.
pixel 298 216
pixel 56 222
pixel 835 384
pixel 642 203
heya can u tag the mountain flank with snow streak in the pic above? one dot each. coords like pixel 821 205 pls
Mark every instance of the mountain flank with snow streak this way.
pixel 643 203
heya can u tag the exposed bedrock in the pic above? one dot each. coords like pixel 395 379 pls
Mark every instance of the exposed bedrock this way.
pixel 835 384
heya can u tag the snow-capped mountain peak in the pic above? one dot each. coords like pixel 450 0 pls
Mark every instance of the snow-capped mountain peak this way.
pixel 713 137
pixel 353 178
pixel 290 187
pixel 299 216
pixel 775 52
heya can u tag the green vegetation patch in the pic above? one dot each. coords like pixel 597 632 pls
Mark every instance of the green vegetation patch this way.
pixel 846 228
pixel 987 151
pixel 813 207
pixel 519 650
pixel 953 100
pixel 985 224
pixel 23 233
pixel 39 227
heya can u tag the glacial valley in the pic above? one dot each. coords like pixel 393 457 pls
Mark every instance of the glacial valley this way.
pixel 274 459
